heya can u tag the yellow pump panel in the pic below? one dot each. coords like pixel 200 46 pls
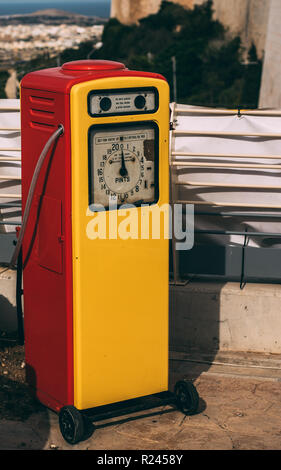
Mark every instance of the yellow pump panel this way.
pixel 120 286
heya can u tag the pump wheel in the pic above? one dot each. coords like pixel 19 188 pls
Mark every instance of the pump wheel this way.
pixel 71 424
pixel 187 397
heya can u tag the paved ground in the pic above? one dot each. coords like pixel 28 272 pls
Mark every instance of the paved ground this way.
pixel 239 409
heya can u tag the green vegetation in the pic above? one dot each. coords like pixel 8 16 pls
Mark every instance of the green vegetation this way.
pixel 3 79
pixel 210 68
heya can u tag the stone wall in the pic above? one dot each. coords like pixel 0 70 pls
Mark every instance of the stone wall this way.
pixel 130 11
pixel 246 18
pixel 270 94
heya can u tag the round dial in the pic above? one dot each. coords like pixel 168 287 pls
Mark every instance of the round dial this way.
pixel 123 164
pixel 122 171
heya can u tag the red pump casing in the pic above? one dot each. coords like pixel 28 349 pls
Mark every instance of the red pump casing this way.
pixel 47 246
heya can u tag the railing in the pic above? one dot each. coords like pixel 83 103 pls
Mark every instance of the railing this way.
pixel 9 115
pixel 182 160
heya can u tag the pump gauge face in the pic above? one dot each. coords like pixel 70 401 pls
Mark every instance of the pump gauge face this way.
pixel 123 164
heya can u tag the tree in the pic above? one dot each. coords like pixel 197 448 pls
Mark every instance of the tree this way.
pixel 210 70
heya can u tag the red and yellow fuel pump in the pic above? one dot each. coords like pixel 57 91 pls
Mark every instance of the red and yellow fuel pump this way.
pixel 95 307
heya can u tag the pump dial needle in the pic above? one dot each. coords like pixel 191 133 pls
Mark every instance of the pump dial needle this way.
pixel 123 170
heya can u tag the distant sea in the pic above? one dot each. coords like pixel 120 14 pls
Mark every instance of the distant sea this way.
pixel 99 8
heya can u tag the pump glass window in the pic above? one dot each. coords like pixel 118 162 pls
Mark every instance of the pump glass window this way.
pixel 123 164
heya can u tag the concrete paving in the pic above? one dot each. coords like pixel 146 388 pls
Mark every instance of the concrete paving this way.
pixel 239 408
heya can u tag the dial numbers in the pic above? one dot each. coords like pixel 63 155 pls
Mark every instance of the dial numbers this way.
pixel 122 164
pixel 128 179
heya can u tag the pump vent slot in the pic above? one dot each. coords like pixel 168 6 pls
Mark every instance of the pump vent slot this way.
pixel 42 100
pixel 41 125
pixel 42 113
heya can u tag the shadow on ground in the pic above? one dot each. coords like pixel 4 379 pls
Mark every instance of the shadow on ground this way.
pixel 23 420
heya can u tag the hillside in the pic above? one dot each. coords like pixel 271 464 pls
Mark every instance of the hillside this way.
pixel 53 12
pixel 51 16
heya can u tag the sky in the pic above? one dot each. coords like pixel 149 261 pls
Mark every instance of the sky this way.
pixel 88 7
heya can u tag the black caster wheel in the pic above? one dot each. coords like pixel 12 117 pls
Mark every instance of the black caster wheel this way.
pixel 71 424
pixel 187 398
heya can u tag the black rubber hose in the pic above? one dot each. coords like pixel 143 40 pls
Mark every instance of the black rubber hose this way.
pixel 31 191
pixel 17 255
pixel 19 293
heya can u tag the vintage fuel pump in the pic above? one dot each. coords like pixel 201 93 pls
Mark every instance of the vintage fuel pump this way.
pixel 95 307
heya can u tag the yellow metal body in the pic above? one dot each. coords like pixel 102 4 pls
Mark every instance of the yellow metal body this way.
pixel 120 287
